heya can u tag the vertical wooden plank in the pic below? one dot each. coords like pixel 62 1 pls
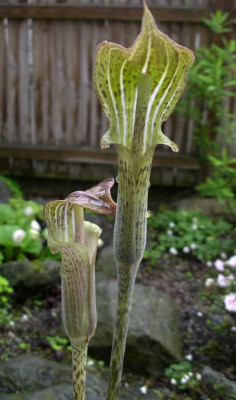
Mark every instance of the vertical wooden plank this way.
pixel 94 134
pixel 84 40
pixel 23 88
pixel 122 26
pixel 56 81
pixel 12 81
pixel 2 81
pixel 36 116
pixel 131 32
pixel 32 121
pixel 38 67
pixel 44 79
pixel 107 35
pixel 40 70
pixel 71 48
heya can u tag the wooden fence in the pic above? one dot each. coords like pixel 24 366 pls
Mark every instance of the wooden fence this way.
pixel 50 118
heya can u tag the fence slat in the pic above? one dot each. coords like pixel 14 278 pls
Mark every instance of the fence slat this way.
pixel 12 81
pixel 56 79
pixel 84 83
pixel 23 91
pixel 93 113
pixel 41 80
pixel 71 48
pixel 2 81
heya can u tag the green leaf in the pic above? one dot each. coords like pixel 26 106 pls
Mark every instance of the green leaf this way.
pixel 5 213
pixel 120 75
pixel 6 235
pixel 33 246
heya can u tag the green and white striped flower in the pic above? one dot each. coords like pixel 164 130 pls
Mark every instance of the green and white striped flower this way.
pixel 138 88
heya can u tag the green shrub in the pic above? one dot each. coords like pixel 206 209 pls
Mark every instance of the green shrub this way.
pixel 5 301
pixel 13 186
pixel 5 291
pixel 182 375
pixel 211 82
pixel 22 231
pixel 189 232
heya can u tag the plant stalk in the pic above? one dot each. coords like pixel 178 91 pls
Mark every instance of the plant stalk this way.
pixel 79 358
pixel 126 280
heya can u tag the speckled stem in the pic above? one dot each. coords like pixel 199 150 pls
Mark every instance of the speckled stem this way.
pixel 79 357
pixel 126 279
pixel 129 243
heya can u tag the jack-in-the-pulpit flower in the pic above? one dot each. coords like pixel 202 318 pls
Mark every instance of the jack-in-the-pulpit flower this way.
pixel 77 240
pixel 138 88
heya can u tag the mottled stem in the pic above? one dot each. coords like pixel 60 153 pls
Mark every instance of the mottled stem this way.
pixel 79 357
pixel 126 280
pixel 79 223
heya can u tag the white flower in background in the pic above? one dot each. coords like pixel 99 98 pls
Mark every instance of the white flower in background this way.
pixel 193 246
pixel 143 389
pixel 24 318
pixel 233 329
pixel 223 256
pixel 194 227
pixel 35 225
pixel 100 243
pixel 209 282
pixel 171 224
pixel 219 265
pixel 185 379
pixel 54 314
pixel 231 262
pixel 90 363
pixel 169 232
pixel 190 374
pixel 173 381
pixel 230 302
pixel 173 251
pixel 18 235
pixel 199 314
pixel 195 220
pixel 198 376
pixel 189 357
pixel 186 250
pixel 224 281
pixel 209 264
pixel 28 211
pixel 34 234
